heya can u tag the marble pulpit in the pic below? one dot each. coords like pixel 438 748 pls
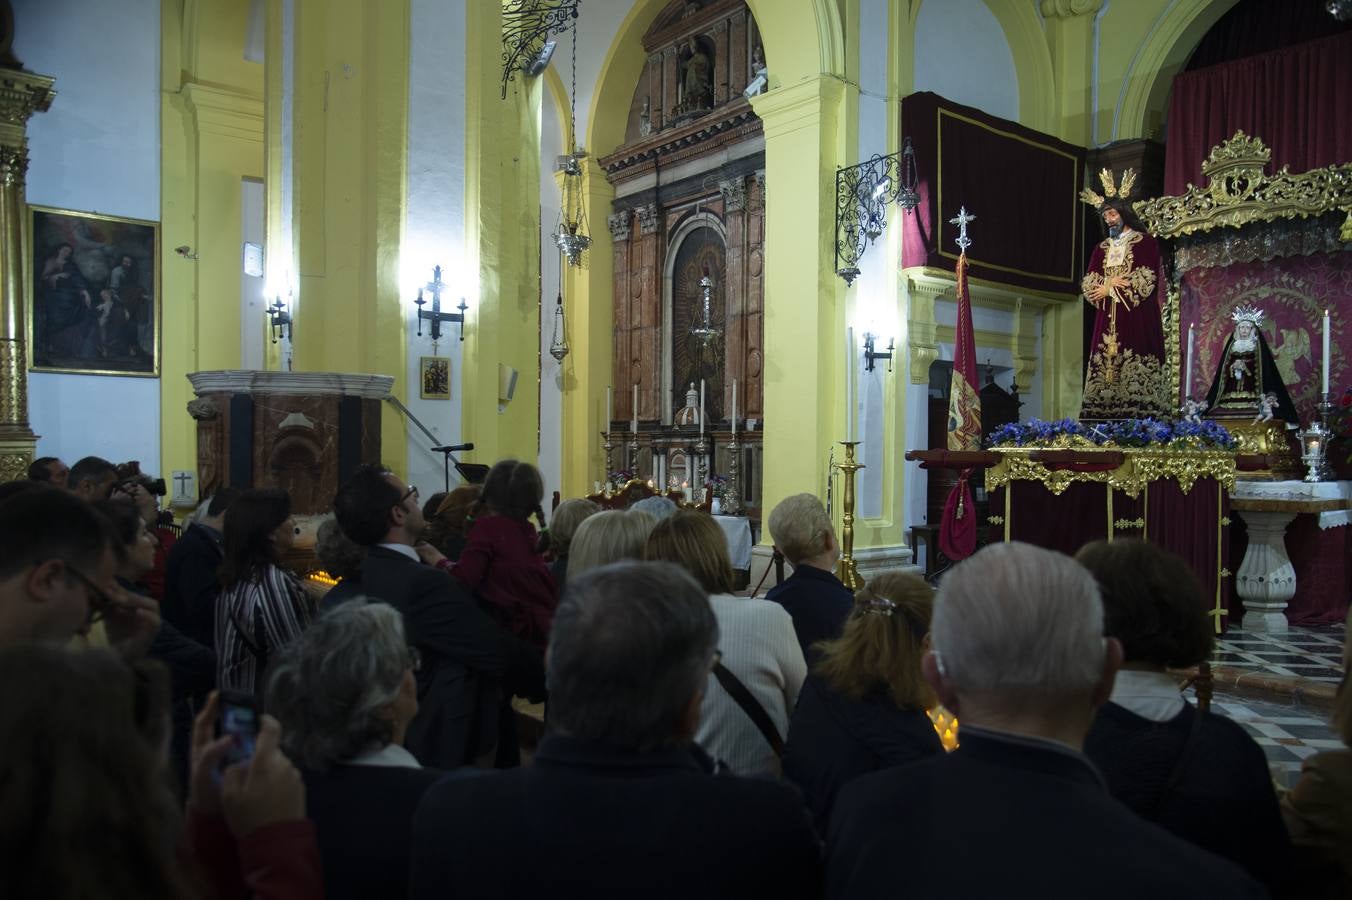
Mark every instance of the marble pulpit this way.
pixel 303 432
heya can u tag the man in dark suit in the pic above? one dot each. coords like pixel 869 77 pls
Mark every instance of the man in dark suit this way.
pixel 192 572
pixel 1017 810
pixel 467 658
pixel 619 802
pixel 814 597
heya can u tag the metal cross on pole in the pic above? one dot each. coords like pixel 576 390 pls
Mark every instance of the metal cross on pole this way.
pixel 961 220
pixel 435 287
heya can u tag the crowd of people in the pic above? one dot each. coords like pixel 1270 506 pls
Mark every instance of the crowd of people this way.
pixel 697 742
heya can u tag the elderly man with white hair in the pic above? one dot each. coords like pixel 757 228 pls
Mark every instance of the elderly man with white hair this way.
pixel 1018 653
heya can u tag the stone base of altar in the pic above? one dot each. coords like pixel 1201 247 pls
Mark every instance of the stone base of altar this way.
pixel 1295 548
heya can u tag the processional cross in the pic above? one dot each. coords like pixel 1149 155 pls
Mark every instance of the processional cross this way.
pixel 961 220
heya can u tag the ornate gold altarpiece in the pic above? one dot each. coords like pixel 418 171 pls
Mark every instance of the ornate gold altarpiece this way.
pixel 1242 214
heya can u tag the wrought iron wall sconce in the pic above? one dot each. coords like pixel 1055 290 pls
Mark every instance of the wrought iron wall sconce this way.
pixel 436 287
pixel 526 27
pixel 279 319
pixel 863 193
pixel 870 354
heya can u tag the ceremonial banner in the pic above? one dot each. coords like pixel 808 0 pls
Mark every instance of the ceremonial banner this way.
pixel 964 401
pixel 957 529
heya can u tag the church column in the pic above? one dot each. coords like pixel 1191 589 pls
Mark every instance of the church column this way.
pixel 588 299
pixel 657 110
pixel 734 214
pixel 1070 34
pixel 349 125
pixel 737 64
pixel 626 310
pixel 502 232
pixel 648 290
pixel 21 94
pixel 804 308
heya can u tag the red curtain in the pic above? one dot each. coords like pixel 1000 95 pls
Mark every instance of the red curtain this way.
pixel 1294 100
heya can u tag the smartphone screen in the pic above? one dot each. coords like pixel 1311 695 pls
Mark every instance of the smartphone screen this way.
pixel 239 719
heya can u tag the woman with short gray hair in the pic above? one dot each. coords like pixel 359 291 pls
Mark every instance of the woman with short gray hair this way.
pixel 345 694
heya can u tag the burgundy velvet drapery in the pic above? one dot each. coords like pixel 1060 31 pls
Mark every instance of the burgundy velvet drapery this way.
pixel 1021 184
pixel 1193 524
pixel 1293 99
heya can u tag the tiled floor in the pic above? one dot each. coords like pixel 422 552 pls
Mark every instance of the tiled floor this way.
pixel 1286 735
pixel 1314 653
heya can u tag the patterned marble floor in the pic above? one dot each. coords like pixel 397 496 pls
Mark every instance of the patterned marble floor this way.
pixel 1286 734
pixel 1314 653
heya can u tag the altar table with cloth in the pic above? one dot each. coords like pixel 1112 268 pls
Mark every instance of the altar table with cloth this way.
pixel 1063 499
pixel 1296 549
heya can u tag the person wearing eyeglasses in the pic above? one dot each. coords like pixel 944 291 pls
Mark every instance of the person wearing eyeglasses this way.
pixel 58 576
pixel 345 693
pixel 192 666
pixel 262 606
pixel 469 659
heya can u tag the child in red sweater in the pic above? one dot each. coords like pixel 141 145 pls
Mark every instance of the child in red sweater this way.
pixel 503 561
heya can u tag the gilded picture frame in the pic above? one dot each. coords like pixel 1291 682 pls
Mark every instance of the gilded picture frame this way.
pixel 434 377
pixel 93 305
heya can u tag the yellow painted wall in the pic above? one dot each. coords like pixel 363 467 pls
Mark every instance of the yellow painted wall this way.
pixel 502 225
pixel 351 152
pixel 211 132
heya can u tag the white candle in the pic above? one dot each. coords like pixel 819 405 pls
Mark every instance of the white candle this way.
pixel 734 406
pixel 633 423
pixel 1326 352
pixel 701 406
pixel 610 407
pixel 1187 378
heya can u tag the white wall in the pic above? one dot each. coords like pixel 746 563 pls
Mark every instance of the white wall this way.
pixel 961 53
pixel 434 227
pixel 96 150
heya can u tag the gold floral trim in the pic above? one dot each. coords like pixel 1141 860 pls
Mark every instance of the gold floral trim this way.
pixel 1238 192
pixel 1128 524
pixel 1138 469
pixel 1135 387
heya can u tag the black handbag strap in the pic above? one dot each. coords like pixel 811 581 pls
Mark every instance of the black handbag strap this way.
pixel 751 706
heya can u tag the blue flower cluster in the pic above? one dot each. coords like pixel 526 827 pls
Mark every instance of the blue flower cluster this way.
pixel 1125 433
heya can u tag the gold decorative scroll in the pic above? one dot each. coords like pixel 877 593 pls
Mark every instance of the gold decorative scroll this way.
pixel 1139 468
pixel 1238 193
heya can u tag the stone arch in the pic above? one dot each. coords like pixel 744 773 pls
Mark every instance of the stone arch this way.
pixel 802 39
pixel 1032 61
pixel 1162 55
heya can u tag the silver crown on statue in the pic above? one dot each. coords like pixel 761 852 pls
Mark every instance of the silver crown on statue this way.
pixel 1251 314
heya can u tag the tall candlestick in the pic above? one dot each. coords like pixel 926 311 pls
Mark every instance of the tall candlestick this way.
pixel 734 406
pixel 849 384
pixel 1326 351
pixel 1187 377
pixel 633 423
pixel 701 406
pixel 610 406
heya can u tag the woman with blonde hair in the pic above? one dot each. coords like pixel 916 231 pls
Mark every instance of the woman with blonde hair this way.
pixel 563 524
pixel 608 537
pixel 754 686
pixel 863 707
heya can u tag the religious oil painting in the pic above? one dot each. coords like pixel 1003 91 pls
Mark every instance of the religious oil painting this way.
pixel 436 378
pixel 94 289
